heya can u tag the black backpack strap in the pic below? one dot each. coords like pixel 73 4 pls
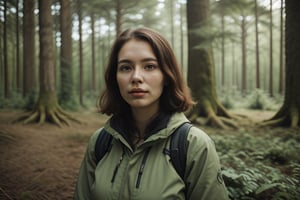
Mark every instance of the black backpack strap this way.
pixel 178 148
pixel 103 144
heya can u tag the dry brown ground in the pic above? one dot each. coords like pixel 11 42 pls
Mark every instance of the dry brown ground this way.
pixel 42 161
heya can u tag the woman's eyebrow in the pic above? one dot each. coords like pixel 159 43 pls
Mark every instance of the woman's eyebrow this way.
pixel 143 60
pixel 149 59
pixel 124 61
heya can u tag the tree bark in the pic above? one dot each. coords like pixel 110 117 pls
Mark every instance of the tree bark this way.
pixel 79 10
pixel 66 74
pixel 289 113
pixel 6 73
pixel 271 51
pixel 281 64
pixel 93 81
pixel 257 47
pixel 223 49
pixel 244 55
pixel 201 69
pixel 18 68
pixel 29 64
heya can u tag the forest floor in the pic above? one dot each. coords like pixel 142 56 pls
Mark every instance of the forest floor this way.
pixel 42 161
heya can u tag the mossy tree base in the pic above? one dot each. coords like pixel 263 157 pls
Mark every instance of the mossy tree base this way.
pixel 287 116
pixel 47 109
pixel 215 114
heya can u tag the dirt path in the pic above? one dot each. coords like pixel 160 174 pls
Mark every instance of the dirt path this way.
pixel 41 161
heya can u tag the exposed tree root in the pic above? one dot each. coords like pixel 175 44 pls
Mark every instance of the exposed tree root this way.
pixel 224 121
pixel 216 117
pixel 286 116
pixel 43 114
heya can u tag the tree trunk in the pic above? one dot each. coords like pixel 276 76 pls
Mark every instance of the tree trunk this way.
pixel 289 113
pixel 181 37
pixel 93 75
pixel 29 66
pixel 244 56
pixel 6 73
pixel 66 74
pixel 223 49
pixel 201 69
pixel 171 7
pixel 271 52
pixel 281 71
pixel 257 47
pixel 47 108
pixel 18 68
pixel 80 53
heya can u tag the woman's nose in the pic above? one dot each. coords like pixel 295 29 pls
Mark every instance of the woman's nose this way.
pixel 137 76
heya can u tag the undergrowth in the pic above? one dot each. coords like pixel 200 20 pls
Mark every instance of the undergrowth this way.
pixel 17 101
pixel 256 100
pixel 260 167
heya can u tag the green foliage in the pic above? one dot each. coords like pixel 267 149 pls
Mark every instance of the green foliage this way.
pixel 17 101
pixel 91 99
pixel 258 100
pixel 227 101
pixel 260 167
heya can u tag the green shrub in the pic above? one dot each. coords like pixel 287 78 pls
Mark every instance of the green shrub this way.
pixel 260 167
pixel 260 100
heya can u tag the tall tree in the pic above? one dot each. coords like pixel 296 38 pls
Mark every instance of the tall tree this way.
pixel 257 46
pixel 171 7
pixel 18 68
pixel 271 50
pixel 289 113
pixel 79 12
pixel 244 53
pixel 281 60
pixel 66 72
pixel 47 107
pixel 29 64
pixel 201 68
pixel 93 81
pixel 6 73
pixel 181 10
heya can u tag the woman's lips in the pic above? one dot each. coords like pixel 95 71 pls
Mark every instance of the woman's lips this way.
pixel 138 93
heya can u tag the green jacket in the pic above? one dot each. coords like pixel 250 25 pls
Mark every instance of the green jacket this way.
pixel 147 173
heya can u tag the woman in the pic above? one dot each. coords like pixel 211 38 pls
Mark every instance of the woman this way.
pixel 146 97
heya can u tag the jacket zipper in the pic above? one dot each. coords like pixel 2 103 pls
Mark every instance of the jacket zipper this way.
pixel 138 181
pixel 117 167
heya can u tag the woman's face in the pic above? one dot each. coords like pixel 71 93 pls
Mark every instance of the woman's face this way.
pixel 139 76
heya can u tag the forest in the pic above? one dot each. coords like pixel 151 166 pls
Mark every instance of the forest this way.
pixel 240 58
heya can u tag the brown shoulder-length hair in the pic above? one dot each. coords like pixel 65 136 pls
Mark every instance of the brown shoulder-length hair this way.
pixel 176 95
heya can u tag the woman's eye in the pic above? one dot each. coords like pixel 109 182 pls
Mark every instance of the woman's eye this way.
pixel 150 67
pixel 125 68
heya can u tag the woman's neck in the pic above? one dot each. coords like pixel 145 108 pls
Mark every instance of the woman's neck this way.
pixel 143 118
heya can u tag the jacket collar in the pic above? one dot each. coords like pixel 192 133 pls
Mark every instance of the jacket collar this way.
pixel 163 126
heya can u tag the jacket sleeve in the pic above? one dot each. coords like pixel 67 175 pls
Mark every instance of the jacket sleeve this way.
pixel 203 172
pixel 86 172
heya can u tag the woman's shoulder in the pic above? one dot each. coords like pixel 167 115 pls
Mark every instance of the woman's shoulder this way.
pixel 94 136
pixel 198 138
